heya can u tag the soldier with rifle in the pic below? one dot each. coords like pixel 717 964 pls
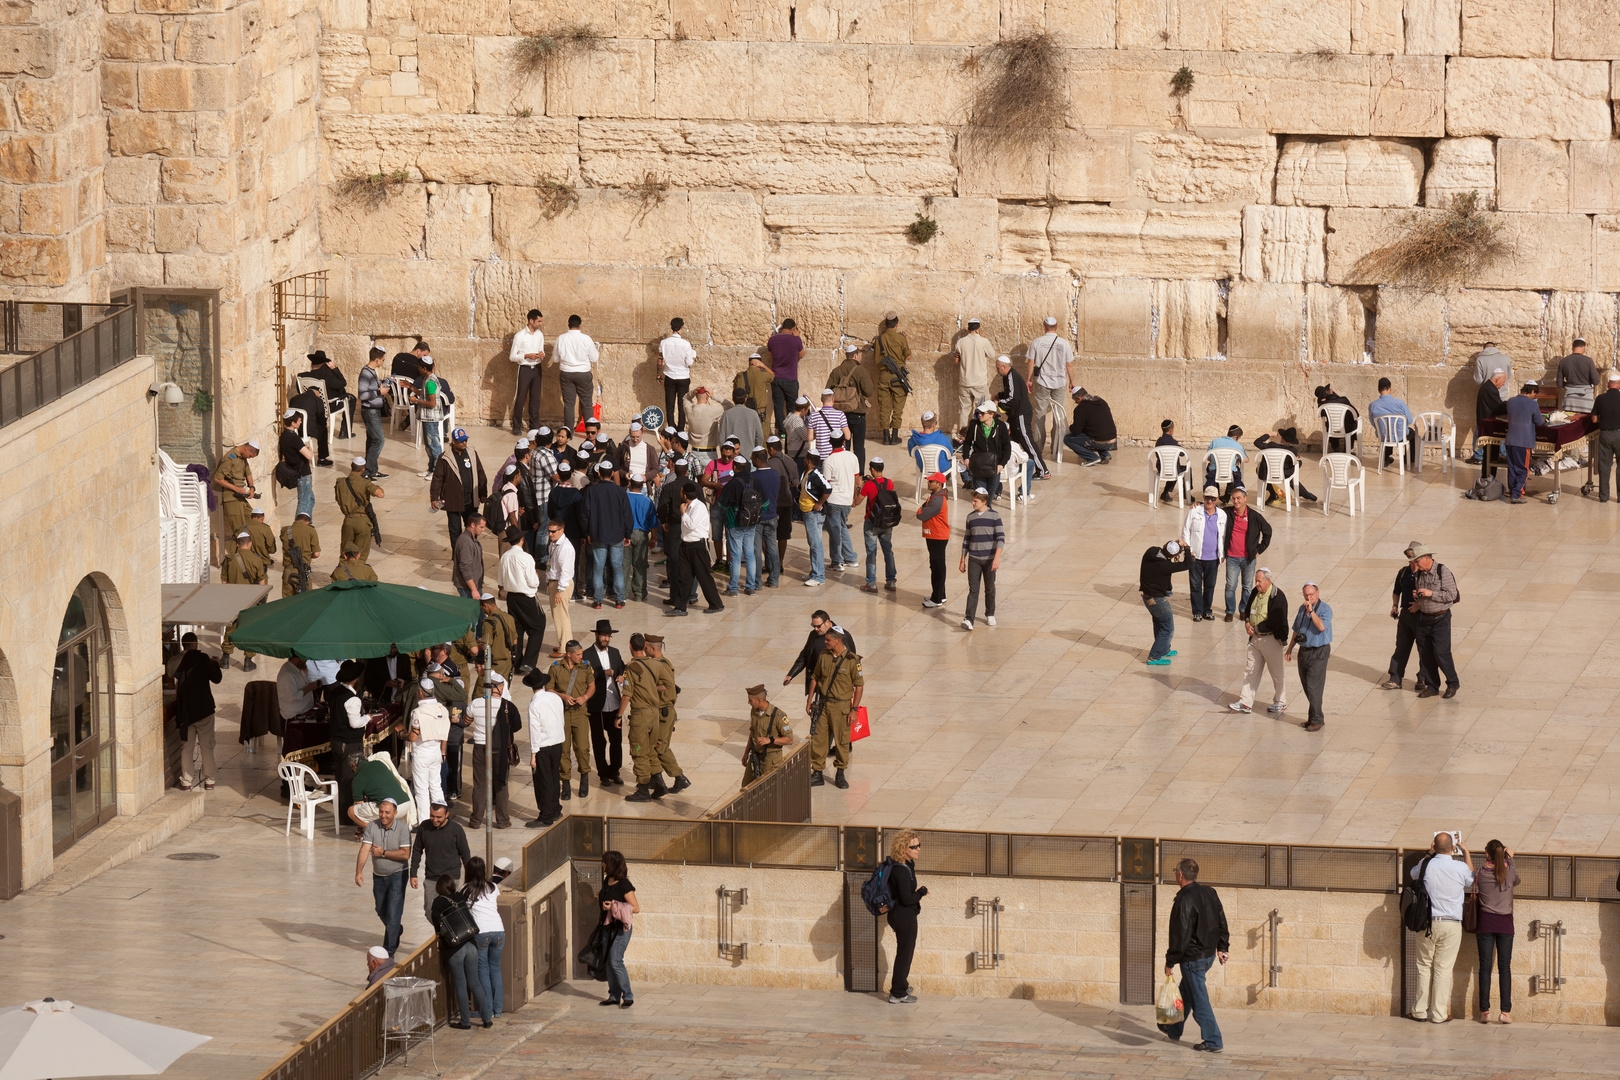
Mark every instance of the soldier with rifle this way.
pixel 240 567
pixel 303 546
pixel 836 686
pixel 639 704
pixel 768 733
pixel 352 567
pixel 894 378
pixel 354 494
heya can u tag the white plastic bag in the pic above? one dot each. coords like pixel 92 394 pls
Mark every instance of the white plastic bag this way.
pixel 1169 1009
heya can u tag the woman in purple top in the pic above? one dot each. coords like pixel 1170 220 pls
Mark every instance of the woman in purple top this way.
pixel 1495 933
pixel 786 347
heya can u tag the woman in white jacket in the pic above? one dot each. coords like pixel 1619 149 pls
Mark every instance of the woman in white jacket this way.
pixel 1202 534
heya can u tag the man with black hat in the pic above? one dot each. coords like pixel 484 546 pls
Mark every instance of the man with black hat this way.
pixel 768 732
pixel 194 713
pixel 348 733
pixel 353 494
pixel 546 733
pixel 521 579
pixel 574 681
pixel 338 398
pixel 607 736
pixel 1352 419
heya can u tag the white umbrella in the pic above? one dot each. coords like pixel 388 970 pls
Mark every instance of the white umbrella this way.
pixel 46 1039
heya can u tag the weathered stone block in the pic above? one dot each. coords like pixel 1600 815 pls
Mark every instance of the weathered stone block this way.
pixel 814 299
pixel 944 22
pixel 1585 30
pixel 1589 315
pixel 451 149
pixel 1284 243
pixel 1116 317
pixel 743 20
pixel 459 220
pixel 1183 167
pixel 389 296
pixel 1551 251
pixel 49 209
pixel 197 180
pixel 392 226
pixel 165 88
pixel 1433 27
pixel 133 181
pixel 1288 27
pixel 343 15
pixel 132 37
pixel 120 87
pixel 1511 318
pixel 610 226
pixel 1189 318
pixel 1458 167
pixel 670 291
pixel 1605 246
pixel 1143 243
pixel 1532 174
pixel 795 82
pixel 1595 176
pixel 615 79
pixel 1377 27
pixel 1411 327
pixel 1520 28
pixel 1349 172
pixel 1248 393
pixel 165 134
pixel 1264 321
pixel 919 85
pixel 499 86
pixel 841 231
pixel 1336 332
pixel 128 228
pixel 1528 99
pixel 928 304
pixel 28 50
pixel 446 69
pixel 35 260
pixel 702 80
pixel 208 39
pixel 740 304
pixel 607 298
pixel 1012 307
pixel 1079 24
pixel 462 16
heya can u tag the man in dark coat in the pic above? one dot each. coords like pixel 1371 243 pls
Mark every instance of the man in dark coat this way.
pixel 814 645
pixel 607 737
pixel 194 712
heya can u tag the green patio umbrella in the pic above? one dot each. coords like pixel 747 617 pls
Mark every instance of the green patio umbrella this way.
pixel 353 620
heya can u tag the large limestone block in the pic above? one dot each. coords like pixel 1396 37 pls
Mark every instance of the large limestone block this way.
pixel 1595 176
pixel 132 37
pixel 1460 166
pixel 804 82
pixel 1511 318
pixel 1520 28
pixel 874 21
pixel 1349 172
pixel 394 226
pixel 619 227
pixel 732 20
pixel 839 231
pixel 814 300
pixel 954 22
pixel 1585 30
pixel 797 158
pixel 1183 167
pixel 1606 251
pixel 607 298
pixel 920 85
pixel 1178 24
pixel 1248 393
pixel 343 14
pixel 451 149
pixel 1288 27
pixel 1264 321
pixel 1105 242
pixel 1410 327
pixel 1550 251
pixel 741 304
pixel 1528 99
pixel 617 19
pixel 1081 24
pixel 459 219
pixel 668 292
pixel 1081 166
pixel 344 64
pixel 446 67
pixel 1377 27
pixel 928 304
pixel 503 293
pixel 1190 314
pixel 1116 317
pixel 1025 242
pixel 197 180
pixel 1433 27
pixel 1284 243
pixel 499 86
pixel 462 16
pixel 1012 308
pixel 401 296
pixel 1589 315
pixel 702 80
pixel 1140 392
pixel 1532 174
pixel 614 79
pixel 1336 330
pixel 1408 96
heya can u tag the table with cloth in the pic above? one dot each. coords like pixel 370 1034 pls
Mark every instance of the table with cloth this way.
pixel 1553 442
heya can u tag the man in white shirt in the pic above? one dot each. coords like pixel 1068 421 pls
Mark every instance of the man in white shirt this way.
pixel 842 471
pixel 576 356
pixel 676 373
pixel 637 454
pixel 974 355
pixel 521 580
pixel 500 692
pixel 692 564
pixel 428 736
pixel 545 747
pixel 1050 374
pixel 1446 880
pixel 559 581
pixel 528 353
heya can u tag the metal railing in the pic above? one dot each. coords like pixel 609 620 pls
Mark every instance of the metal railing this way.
pixel 783 794
pixel 37 380
pixel 350 1045
pixel 26 327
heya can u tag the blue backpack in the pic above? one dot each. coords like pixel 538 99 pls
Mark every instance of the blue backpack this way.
pixel 875 892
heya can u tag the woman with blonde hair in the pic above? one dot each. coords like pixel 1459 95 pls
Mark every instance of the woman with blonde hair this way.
pixel 1495 931
pixel 907 905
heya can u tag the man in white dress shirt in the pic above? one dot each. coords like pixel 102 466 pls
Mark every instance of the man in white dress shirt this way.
pixel 576 358
pixel 545 747
pixel 521 579
pixel 528 353
pixel 676 373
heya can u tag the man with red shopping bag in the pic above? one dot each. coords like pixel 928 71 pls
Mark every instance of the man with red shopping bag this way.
pixel 1197 936
pixel 835 692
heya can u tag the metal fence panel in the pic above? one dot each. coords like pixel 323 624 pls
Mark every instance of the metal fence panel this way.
pixel 1078 858
pixel 1218 864
pixel 544 854
pixel 1595 878
pixel 803 847
pixel 652 840
pixel 861 929
pixel 66 364
pixel 945 851
pixel 1343 869
pixel 1138 946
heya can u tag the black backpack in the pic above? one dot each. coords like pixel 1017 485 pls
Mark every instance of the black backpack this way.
pixel 456 927
pixel 1486 489
pixel 494 520
pixel 885 505
pixel 1416 914
pixel 875 890
pixel 750 505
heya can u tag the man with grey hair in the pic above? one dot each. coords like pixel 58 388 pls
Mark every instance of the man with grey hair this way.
pixel 1488 403
pixel 1265 620
pixel 1434 590
pixel 1198 935
pixel 1313 636
pixel 1050 374
pixel 1606 411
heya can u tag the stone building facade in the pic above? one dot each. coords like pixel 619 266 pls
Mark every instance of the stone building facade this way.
pixel 739 161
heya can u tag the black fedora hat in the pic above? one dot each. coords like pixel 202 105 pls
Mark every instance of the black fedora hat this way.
pixel 603 626
pixel 536 679
pixel 319 357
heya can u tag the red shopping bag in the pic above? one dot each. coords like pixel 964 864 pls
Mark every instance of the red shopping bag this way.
pixel 859 727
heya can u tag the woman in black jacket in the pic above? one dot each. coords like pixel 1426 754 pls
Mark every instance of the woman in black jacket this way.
pixel 194 713
pixel 903 889
pixel 1265 619
pixel 1155 583
pixel 986 449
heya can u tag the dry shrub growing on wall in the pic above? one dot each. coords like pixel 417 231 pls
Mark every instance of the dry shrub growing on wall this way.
pixel 1438 251
pixel 649 191
pixel 1018 97
pixel 369 189
pixel 1181 83
pixel 556 196
pixel 535 52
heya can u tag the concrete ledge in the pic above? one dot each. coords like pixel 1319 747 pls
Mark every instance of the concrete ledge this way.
pixel 121 839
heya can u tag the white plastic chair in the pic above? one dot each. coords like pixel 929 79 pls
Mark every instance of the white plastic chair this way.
pixel 1278 472
pixel 449 422
pixel 1014 476
pixel 935 459
pixel 1334 417
pixel 404 413
pixel 1165 466
pixel 1345 473
pixel 333 412
pixel 1392 431
pixel 1226 462
pixel 1436 431
pixel 1057 425
pixel 303 782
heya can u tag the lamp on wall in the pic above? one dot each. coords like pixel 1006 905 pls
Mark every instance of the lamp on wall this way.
pixel 171 393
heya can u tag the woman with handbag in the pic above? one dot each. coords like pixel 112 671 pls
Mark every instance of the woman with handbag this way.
pixel 619 904
pixel 481 895
pixel 1492 915
pixel 456 929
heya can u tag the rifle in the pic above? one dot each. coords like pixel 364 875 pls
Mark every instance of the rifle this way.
pixel 756 755
pixel 376 533
pixel 295 558
pixel 891 367
pixel 821 697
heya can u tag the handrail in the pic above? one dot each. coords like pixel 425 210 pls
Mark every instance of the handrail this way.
pixel 57 370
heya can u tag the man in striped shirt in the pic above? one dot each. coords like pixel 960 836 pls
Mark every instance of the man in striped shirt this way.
pixel 824 423
pixel 983 539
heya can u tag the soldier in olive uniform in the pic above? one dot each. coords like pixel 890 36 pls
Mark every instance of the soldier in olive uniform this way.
pixel 837 677
pixel 502 636
pixel 768 732
pixel 354 494
pixel 264 537
pixel 240 567
pixel 351 567
pixel 234 482
pixel 575 680
pixel 664 731
pixel 755 380
pixel 639 703
pixel 301 535
pixel 891 346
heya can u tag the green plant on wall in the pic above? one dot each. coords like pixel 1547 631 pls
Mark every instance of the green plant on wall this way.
pixel 370 189
pixel 535 52
pixel 923 229
pixel 1181 83
pixel 202 402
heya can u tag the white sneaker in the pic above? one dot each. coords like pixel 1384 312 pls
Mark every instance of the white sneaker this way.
pixel 1275 708
pixel 932 603
pixel 991 619
pixel 967 624
pixel 811 584
pixel 1238 706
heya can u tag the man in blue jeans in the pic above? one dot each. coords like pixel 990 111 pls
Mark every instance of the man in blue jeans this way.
pixel 387 842
pixel 1154 581
pixel 1197 936
pixel 1201 536
pixel 1246 536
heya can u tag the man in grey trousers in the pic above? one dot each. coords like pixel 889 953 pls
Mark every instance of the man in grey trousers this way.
pixel 1313 637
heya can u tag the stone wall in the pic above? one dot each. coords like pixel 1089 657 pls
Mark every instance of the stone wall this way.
pixel 103 522
pixel 1206 242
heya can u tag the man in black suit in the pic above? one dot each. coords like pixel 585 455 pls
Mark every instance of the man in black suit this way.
pixel 814 646
pixel 607 737
pixel 337 384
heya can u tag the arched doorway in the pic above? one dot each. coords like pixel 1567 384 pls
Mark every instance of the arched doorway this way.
pixel 82 766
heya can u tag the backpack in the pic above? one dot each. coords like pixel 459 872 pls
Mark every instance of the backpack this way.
pixel 886 506
pixel 1486 489
pixel 846 396
pixel 456 927
pixel 875 890
pixel 494 520
pixel 750 505
pixel 1416 914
